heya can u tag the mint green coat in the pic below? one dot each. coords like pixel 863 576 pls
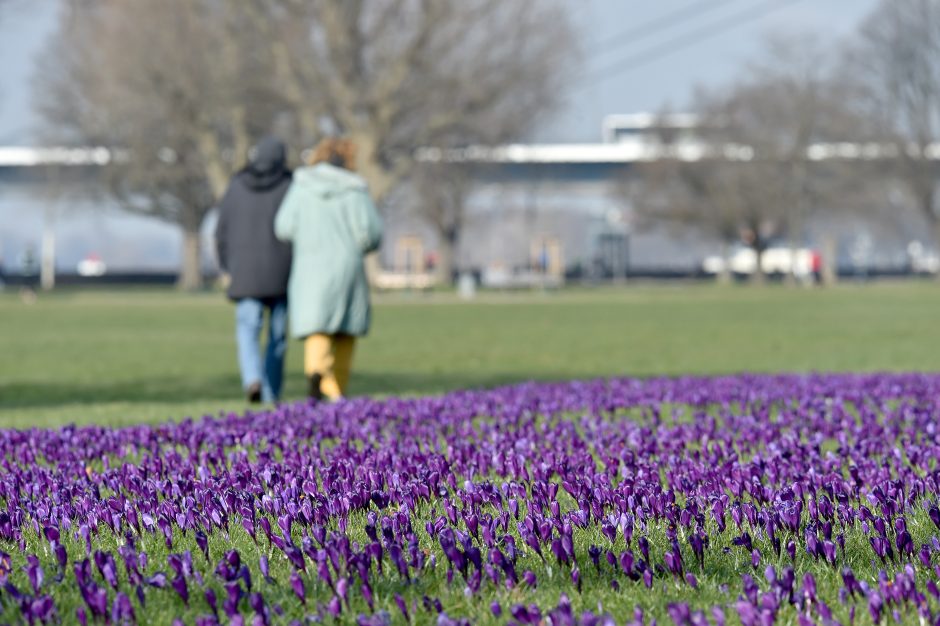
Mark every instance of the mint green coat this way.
pixel 329 217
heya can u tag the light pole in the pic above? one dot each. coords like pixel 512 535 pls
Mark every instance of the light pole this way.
pixel 47 265
pixel 47 253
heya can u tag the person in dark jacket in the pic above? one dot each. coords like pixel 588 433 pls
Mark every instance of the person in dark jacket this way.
pixel 258 265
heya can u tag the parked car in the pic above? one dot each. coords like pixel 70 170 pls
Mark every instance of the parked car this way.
pixel 92 265
pixel 777 259
pixel 921 259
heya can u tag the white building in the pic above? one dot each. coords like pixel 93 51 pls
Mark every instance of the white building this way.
pixel 545 209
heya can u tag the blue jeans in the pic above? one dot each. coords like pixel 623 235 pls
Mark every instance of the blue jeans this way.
pixel 249 322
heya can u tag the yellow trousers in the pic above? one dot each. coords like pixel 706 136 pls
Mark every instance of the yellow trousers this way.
pixel 331 357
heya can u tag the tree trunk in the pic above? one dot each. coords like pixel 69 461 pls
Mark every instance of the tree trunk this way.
pixel 928 201
pixel 380 184
pixel 830 275
pixel 190 276
pixel 935 226
pixel 724 276
pixel 379 179
pixel 759 278
pixel 444 268
pixel 795 224
pixel 47 262
pixel 790 279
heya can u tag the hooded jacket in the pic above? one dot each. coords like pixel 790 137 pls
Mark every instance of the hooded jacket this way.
pixel 332 223
pixel 247 249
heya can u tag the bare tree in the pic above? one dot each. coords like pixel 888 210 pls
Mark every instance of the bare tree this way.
pixel 180 87
pixel 682 195
pixel 895 67
pixel 739 190
pixel 394 75
pixel 755 180
pixel 439 193
pixel 177 89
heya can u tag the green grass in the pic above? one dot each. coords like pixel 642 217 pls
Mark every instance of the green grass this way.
pixel 123 357
pixel 553 579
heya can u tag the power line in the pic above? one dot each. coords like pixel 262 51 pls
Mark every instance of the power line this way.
pixel 690 38
pixel 664 22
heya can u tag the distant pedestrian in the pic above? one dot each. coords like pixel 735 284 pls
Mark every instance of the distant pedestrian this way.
pixel 815 261
pixel 258 265
pixel 333 224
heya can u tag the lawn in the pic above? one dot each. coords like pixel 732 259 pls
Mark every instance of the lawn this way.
pixel 121 357
pixel 751 499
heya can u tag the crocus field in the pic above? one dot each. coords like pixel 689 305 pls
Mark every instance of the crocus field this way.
pixel 739 499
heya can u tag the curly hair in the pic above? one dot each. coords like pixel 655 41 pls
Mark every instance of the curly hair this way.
pixel 335 151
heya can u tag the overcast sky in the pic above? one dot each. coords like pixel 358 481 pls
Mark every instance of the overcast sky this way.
pixel 698 59
pixel 25 26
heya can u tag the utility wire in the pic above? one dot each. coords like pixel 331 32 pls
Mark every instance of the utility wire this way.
pixel 689 39
pixel 664 22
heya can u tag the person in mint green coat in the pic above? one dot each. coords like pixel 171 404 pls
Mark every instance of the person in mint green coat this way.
pixel 332 223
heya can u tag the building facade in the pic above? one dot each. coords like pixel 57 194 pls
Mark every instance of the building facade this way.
pixel 534 212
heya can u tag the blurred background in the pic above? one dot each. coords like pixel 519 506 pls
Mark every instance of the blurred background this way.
pixel 524 143
pixel 598 168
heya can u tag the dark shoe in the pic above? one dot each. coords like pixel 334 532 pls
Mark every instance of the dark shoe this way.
pixel 254 393
pixel 313 389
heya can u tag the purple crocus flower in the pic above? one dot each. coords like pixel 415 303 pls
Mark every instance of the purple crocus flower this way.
pixel 875 606
pixel 559 551
pixel 934 514
pixel 104 561
pixel 34 572
pixel 157 580
pixel 203 542
pixel 233 595
pixel 256 602
pixel 529 578
pixel 297 584
pixel 334 607
pixel 61 556
pixel 346 488
pixel 179 585
pixel 366 592
pixel 403 607
pixel 595 554
pixel 122 611
pixel 718 615
pixel 212 601
pixel 644 545
pixel 673 560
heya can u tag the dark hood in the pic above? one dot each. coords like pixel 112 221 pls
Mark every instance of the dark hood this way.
pixel 267 164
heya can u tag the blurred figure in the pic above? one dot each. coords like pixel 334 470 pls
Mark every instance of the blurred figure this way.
pixel 333 224
pixel 258 266
pixel 29 261
pixel 816 267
